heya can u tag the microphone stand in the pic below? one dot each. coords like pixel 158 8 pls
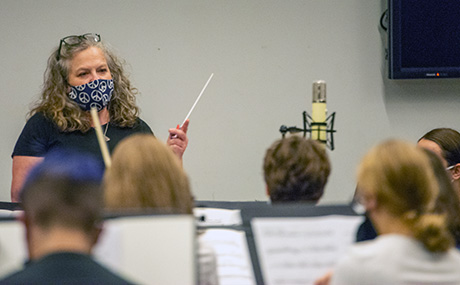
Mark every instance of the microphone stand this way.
pixel 307 128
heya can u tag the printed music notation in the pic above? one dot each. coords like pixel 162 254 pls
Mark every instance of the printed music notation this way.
pixel 296 250
pixel 233 260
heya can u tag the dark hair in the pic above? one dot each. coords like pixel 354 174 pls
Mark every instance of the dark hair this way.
pixel 296 169
pixel 64 190
pixel 449 142
pixel 447 201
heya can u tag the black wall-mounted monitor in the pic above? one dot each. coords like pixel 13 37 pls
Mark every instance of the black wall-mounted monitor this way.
pixel 424 39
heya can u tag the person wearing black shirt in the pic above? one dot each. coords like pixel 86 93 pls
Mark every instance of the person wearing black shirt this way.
pixel 63 205
pixel 82 73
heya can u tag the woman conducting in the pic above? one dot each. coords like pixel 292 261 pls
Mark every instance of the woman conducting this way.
pixel 82 73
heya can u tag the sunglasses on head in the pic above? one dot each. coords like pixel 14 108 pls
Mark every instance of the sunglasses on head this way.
pixel 76 40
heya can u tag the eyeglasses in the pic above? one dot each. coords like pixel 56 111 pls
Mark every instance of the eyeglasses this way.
pixel 76 40
pixel 450 167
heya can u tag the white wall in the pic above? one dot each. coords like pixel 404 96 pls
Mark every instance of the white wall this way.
pixel 265 54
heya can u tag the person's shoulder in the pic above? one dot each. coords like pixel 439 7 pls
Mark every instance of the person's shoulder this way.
pixel 24 276
pixel 143 126
pixel 385 259
pixel 105 275
pixel 454 254
pixel 39 119
pixel 38 126
pixel 139 126
pixel 385 249
pixel 361 264
pixel 369 252
pixel 141 122
pixel 49 270
pixel 11 277
pixel 380 245
pixel 38 116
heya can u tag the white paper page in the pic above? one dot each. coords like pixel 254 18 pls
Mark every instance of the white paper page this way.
pixel 150 249
pixel 9 213
pixel 234 264
pixel 296 251
pixel 217 217
pixel 108 249
pixel 13 248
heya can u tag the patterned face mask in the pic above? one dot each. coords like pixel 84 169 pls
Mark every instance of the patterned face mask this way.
pixel 96 94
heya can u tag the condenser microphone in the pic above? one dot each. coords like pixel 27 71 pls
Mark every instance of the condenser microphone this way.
pixel 318 125
pixel 319 112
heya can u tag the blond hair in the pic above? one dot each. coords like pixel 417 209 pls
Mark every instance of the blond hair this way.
pixel 144 174
pixel 402 180
pixel 66 114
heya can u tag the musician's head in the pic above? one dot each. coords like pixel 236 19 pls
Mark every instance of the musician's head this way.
pixel 146 174
pixel 63 194
pixel 296 169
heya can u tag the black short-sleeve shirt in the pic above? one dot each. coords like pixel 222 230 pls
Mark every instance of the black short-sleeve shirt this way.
pixel 41 135
pixel 64 268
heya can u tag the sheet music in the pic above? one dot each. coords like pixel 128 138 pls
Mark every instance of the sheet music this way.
pixel 296 251
pixel 234 264
pixel 217 217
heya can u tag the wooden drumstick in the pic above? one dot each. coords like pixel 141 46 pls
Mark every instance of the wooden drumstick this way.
pixel 100 138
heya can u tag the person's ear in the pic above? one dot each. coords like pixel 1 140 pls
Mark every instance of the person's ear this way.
pixel 370 203
pixel 456 172
pixel 29 232
pixel 23 219
pixel 96 233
